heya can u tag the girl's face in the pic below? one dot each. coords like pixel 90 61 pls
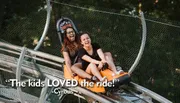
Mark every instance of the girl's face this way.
pixel 70 34
pixel 85 40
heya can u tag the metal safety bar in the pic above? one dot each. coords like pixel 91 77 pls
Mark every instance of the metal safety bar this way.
pixel 60 31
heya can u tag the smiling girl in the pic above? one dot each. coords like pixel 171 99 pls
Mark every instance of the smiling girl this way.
pixel 93 58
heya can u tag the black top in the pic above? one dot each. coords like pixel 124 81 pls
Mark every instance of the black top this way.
pixel 72 56
pixel 94 55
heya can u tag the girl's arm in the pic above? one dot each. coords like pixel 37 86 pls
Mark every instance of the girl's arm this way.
pixel 89 59
pixel 68 62
pixel 101 55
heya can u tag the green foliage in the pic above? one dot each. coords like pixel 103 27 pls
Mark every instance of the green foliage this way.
pixel 23 22
pixel 23 30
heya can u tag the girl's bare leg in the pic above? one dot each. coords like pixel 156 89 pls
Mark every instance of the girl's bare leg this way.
pixel 110 62
pixel 92 69
pixel 76 68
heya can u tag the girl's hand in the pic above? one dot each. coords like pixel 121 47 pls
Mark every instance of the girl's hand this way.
pixel 74 74
pixel 105 66
pixel 100 65
pixel 103 61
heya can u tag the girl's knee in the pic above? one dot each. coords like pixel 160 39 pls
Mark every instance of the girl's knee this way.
pixel 92 65
pixel 75 66
pixel 79 65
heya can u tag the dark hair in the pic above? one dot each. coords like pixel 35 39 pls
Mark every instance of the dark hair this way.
pixel 82 33
pixel 68 44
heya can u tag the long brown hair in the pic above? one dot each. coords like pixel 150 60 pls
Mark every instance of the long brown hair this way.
pixel 72 47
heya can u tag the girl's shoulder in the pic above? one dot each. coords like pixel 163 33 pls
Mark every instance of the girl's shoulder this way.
pixel 95 45
pixel 81 49
pixel 64 48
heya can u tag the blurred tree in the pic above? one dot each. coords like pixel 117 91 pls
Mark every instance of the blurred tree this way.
pixel 2 13
pixel 11 10
pixel 22 22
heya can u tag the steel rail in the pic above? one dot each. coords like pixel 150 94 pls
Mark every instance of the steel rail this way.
pixel 33 53
pixel 150 93
pixel 48 17
pixel 18 74
pixel 143 42
pixel 33 57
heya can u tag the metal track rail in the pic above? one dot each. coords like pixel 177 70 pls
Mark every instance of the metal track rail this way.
pixel 49 72
pixel 9 62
